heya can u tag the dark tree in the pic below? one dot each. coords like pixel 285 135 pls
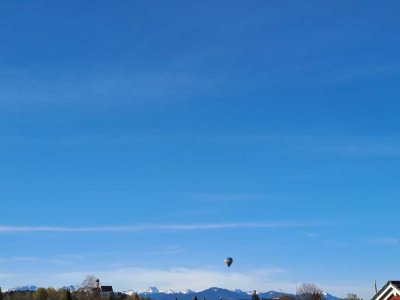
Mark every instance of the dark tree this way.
pixel 68 295
pixel 255 296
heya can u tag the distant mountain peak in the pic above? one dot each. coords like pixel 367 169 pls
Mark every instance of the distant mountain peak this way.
pixel 211 293
pixel 129 292
pixel 152 290
pixel 24 288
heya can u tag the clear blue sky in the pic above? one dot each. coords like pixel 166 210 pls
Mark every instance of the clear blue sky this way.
pixel 144 141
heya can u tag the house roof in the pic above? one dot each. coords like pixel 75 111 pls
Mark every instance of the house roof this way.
pixel 106 288
pixel 391 288
pixel 396 283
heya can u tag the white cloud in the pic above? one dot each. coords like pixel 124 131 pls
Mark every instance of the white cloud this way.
pixel 156 227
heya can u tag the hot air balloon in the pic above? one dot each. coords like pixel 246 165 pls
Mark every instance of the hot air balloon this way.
pixel 228 261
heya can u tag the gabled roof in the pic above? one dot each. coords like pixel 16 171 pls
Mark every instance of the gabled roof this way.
pixel 391 288
pixel 106 288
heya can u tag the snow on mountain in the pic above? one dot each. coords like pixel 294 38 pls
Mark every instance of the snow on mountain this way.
pixel 151 290
pixel 33 288
pixel 272 294
pixel 237 291
pixel 25 288
pixel 211 293
pixel 214 293
pixel 249 292
pixel 129 292
pixel 330 297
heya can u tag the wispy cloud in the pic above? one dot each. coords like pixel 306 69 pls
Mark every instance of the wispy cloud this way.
pixel 311 235
pixel 82 85
pixel 322 72
pixel 384 241
pixel 328 145
pixel 364 72
pixel 226 197
pixel 354 146
pixel 168 250
pixel 157 227
pixel 29 259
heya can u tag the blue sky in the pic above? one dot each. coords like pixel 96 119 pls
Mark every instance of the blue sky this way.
pixel 145 141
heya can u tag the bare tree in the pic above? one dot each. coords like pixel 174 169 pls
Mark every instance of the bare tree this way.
pixel 309 291
pixel 352 297
pixel 88 284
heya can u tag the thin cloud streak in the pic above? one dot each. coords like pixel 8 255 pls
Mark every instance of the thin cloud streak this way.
pixel 375 146
pixel 156 227
pixel 385 241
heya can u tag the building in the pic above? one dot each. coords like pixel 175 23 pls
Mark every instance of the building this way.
pixel 102 290
pixel 106 290
pixel 391 291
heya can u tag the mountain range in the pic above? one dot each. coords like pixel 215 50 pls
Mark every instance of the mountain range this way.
pixel 213 293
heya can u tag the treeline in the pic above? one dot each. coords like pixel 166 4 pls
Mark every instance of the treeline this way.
pixel 63 294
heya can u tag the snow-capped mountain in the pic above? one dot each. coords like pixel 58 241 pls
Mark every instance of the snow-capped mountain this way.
pixel 212 293
pixel 33 288
pixel 150 290
pixel 238 291
pixel 129 292
pixel 330 297
pixel 24 288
